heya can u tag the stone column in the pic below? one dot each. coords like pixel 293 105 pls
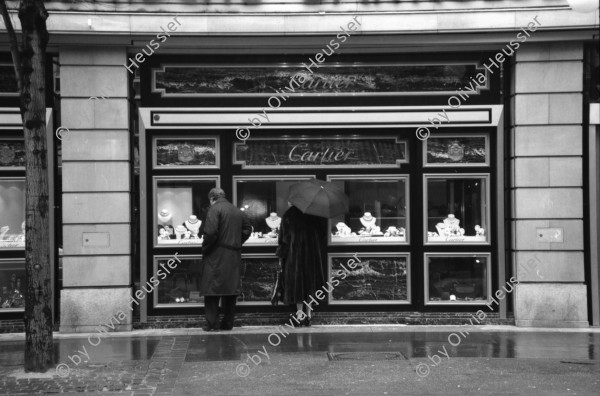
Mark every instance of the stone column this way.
pixel 96 190
pixel 547 186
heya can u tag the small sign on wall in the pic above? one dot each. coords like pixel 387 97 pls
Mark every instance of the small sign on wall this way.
pixel 549 235
pixel 96 239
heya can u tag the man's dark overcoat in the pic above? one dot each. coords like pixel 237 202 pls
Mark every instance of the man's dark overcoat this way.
pixel 225 230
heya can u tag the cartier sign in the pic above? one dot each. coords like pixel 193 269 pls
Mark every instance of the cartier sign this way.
pixel 301 153
pixel 316 151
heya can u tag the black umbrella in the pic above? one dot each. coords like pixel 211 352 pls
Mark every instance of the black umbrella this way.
pixel 319 198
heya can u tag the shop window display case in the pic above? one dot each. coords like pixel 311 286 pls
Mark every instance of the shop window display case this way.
pixel 259 273
pixel 180 208
pixel 378 210
pixel 264 200
pixel 12 153
pixel 178 286
pixel 457 209
pixel 12 213
pixel 12 285
pixel 375 278
pixel 457 278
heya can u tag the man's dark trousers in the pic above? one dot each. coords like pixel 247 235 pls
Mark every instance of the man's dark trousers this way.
pixel 211 311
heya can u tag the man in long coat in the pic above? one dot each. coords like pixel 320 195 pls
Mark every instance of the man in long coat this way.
pixel 226 228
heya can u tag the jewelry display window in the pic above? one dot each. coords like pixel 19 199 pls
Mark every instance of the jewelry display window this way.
pixel 12 285
pixel 370 278
pixel 457 209
pixel 12 154
pixel 175 281
pixel 259 274
pixel 264 200
pixel 457 150
pixel 378 210
pixel 179 152
pixel 180 208
pixel 12 213
pixel 457 278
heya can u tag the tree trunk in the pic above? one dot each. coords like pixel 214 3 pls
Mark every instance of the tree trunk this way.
pixel 38 310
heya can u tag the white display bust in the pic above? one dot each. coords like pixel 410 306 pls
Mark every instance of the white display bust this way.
pixel 273 221
pixel 164 217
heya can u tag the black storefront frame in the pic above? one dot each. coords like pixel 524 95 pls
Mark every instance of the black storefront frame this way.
pixel 415 250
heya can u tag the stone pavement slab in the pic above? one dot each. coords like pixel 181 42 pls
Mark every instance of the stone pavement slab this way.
pixel 310 374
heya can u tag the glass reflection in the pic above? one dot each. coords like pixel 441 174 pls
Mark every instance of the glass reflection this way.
pixel 456 210
pixel 457 279
pixel 377 211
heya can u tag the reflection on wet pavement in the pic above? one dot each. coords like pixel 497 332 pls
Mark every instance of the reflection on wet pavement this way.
pixel 109 349
pixel 229 346
pixel 573 346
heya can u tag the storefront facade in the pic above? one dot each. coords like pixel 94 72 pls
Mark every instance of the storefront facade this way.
pixel 470 177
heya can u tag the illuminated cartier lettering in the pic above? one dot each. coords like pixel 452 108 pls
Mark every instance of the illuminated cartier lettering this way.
pixel 325 82
pixel 329 155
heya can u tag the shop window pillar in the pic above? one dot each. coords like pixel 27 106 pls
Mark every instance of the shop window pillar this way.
pixel 96 189
pixel 547 186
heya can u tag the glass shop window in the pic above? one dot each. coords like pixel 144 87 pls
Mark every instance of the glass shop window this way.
pixel 264 200
pixel 259 273
pixel 178 281
pixel 370 278
pixel 12 213
pixel 457 279
pixel 12 285
pixel 378 210
pixel 180 209
pixel 457 209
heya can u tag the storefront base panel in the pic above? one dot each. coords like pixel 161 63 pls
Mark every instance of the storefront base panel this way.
pixel 551 323
pixel 85 310
pixel 12 326
pixel 328 318
pixel 551 305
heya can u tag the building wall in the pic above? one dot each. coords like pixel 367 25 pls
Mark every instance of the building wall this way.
pixel 96 189
pixel 547 185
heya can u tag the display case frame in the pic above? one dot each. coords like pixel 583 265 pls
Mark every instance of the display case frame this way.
pixel 352 256
pixel 485 136
pixel 158 137
pixel 488 281
pixel 263 241
pixel 369 240
pixel 470 241
pixel 155 262
pixel 155 181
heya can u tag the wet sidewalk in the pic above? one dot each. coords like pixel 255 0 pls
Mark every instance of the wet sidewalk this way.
pixel 321 360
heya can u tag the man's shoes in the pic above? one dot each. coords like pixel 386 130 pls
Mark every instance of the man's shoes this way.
pixel 222 327
pixel 305 322
pixel 209 328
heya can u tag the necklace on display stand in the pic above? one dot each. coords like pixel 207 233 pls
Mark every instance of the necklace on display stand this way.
pixel 367 220
pixel 193 224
